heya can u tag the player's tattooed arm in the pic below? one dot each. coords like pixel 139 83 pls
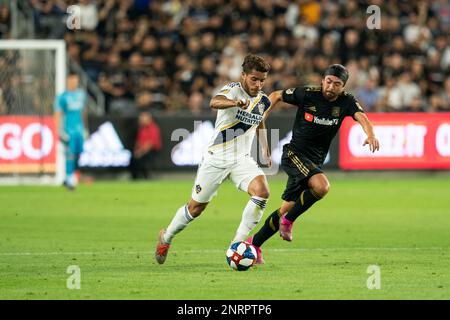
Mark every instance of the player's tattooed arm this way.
pixel 372 141
pixel 222 102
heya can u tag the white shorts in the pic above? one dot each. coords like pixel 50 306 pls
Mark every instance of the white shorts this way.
pixel 210 177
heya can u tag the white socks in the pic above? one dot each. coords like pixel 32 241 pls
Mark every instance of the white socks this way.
pixel 252 214
pixel 178 223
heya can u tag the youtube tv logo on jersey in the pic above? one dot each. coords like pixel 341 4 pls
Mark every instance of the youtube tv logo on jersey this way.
pixel 27 144
pixel 407 141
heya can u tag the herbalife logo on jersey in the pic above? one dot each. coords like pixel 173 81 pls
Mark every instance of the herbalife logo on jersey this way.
pixel 248 118
pixel 104 149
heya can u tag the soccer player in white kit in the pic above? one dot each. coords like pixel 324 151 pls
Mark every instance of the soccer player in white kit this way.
pixel 242 109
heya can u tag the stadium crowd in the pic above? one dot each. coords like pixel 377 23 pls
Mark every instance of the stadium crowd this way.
pixel 174 55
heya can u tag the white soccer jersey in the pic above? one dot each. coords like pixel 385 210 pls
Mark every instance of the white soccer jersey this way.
pixel 235 127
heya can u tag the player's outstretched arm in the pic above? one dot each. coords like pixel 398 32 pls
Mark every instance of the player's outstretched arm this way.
pixel 275 97
pixel 222 102
pixel 372 141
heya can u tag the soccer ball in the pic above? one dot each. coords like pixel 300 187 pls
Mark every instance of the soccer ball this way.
pixel 241 255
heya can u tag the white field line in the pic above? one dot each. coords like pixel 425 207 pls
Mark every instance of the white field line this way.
pixel 150 252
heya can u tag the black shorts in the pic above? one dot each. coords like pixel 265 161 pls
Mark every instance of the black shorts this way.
pixel 299 169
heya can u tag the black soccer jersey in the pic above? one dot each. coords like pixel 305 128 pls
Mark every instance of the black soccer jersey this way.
pixel 317 120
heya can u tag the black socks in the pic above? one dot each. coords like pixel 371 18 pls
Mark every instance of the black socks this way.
pixel 306 200
pixel 270 227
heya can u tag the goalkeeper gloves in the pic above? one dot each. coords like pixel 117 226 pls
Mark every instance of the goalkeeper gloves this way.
pixel 64 137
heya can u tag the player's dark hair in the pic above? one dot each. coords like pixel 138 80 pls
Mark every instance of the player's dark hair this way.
pixel 337 70
pixel 73 74
pixel 254 62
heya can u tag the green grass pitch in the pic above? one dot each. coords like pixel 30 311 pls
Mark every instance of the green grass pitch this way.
pixel 109 230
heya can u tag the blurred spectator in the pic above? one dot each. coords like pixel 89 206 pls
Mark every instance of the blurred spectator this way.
pixel 442 45
pixel 416 32
pixel 441 100
pixel 144 100
pixel 418 74
pixel 135 72
pixel 441 9
pixel 19 95
pixel 5 21
pixel 174 50
pixel 351 15
pixel 93 55
pixel 149 49
pixel 233 54
pixel 74 52
pixel 403 93
pixel 416 105
pixel 88 15
pixel 351 46
pixel 49 17
pixel 106 9
pixel 148 143
pixel 436 75
pixel 387 98
pixel 141 5
pixel 113 82
pixel 368 95
pixel 196 103
pixel 207 73
pixel 3 106
pixel 310 11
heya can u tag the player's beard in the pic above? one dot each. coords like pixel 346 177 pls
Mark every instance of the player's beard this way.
pixel 330 95
pixel 250 90
pixel 254 92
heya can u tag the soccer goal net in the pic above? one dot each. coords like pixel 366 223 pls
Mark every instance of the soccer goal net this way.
pixel 32 73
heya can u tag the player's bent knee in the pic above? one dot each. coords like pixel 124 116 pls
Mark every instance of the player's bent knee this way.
pixel 322 190
pixel 259 187
pixel 260 190
pixel 263 193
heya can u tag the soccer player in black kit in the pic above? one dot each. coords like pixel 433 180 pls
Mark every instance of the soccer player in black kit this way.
pixel 321 111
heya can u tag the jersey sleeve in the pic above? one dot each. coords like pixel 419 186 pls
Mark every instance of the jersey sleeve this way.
pixel 294 96
pixel 353 107
pixel 229 91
